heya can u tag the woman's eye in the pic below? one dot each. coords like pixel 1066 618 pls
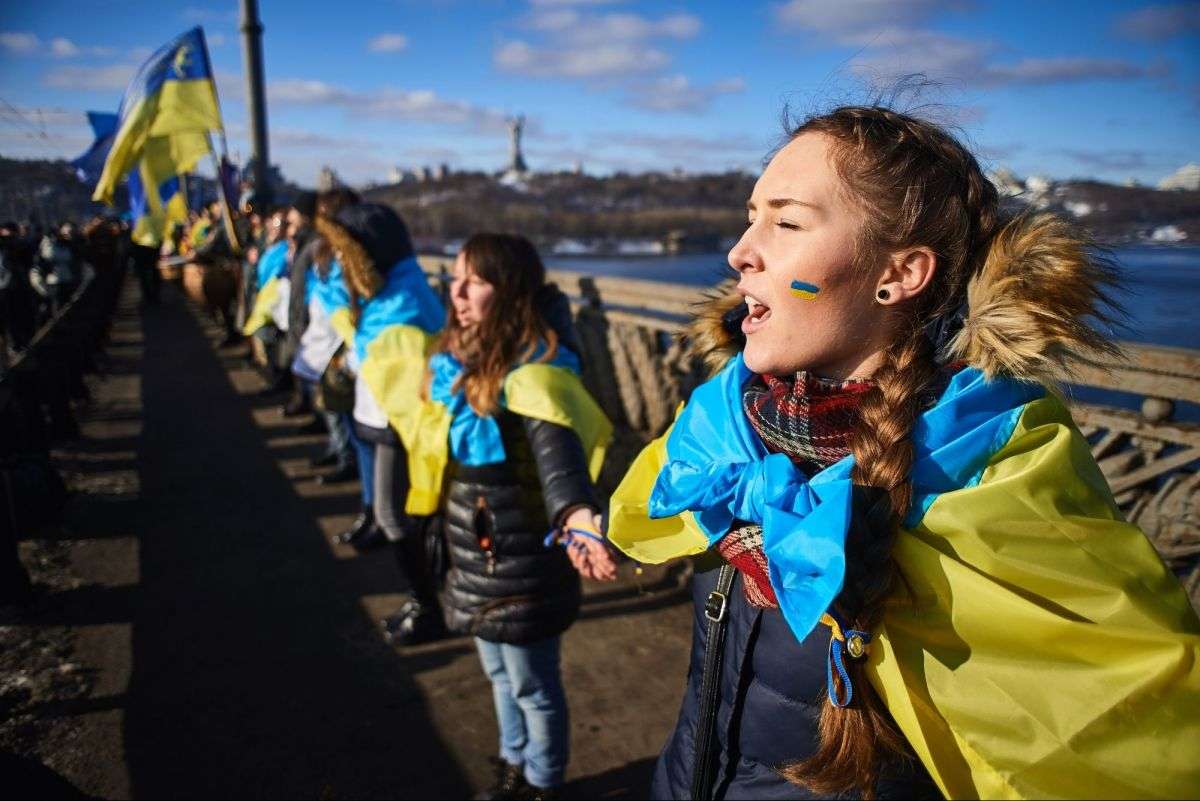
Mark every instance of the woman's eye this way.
pixel 788 225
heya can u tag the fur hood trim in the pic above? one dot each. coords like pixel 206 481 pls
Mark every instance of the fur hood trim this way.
pixel 1032 310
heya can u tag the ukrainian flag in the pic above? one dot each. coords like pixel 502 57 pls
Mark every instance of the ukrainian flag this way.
pixel 165 116
pixel 155 206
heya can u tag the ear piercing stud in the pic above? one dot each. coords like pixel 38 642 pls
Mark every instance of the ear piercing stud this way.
pixel 883 294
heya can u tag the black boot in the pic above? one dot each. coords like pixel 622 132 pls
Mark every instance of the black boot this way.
pixel 370 540
pixel 510 782
pixel 364 521
pixel 414 624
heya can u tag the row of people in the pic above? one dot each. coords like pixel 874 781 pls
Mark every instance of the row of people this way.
pixel 911 578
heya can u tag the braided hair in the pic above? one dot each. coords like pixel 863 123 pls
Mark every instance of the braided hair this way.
pixel 917 186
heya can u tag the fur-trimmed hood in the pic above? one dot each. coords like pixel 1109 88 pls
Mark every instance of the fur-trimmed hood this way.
pixel 1031 311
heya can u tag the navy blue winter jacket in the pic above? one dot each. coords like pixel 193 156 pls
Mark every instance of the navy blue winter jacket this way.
pixel 772 688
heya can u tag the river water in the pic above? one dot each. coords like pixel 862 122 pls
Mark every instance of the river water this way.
pixel 1160 292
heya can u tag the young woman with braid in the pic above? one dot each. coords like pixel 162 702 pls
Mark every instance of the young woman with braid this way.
pixel 911 576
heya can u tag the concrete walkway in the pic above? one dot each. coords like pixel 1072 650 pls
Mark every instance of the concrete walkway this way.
pixel 233 652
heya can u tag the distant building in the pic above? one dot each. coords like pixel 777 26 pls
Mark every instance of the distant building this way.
pixel 441 172
pixel 1006 182
pixel 328 179
pixel 1185 178
pixel 1168 233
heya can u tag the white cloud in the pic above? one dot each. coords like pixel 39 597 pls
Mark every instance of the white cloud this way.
pixel 545 3
pixel 675 93
pixel 63 48
pixel 114 76
pixel 388 43
pixel 599 61
pixel 414 106
pixel 1062 70
pixel 892 42
pixel 862 16
pixel 58 47
pixel 593 46
pixel 1158 22
pixel 19 42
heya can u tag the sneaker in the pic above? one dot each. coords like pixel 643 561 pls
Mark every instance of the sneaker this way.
pixel 510 782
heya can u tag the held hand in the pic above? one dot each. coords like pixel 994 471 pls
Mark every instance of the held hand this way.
pixel 597 561
pixel 589 554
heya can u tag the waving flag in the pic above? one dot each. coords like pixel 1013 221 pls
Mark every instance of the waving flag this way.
pixel 90 165
pixel 165 116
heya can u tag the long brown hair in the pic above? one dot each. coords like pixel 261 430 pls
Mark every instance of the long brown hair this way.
pixel 513 327
pixel 918 186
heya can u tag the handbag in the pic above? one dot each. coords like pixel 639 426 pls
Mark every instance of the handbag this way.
pixel 335 390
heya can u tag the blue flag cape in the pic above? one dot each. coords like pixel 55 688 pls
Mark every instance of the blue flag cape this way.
pixel 272 263
pixel 719 470
pixel 404 299
pixel 475 439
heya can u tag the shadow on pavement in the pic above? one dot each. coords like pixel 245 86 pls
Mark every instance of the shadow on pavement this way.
pixel 256 672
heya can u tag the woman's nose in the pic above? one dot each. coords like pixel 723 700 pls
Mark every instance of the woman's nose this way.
pixel 744 256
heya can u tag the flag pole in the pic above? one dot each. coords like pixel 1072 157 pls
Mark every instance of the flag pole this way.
pixel 256 96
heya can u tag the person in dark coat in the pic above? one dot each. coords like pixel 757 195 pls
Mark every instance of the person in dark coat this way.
pixel 505 586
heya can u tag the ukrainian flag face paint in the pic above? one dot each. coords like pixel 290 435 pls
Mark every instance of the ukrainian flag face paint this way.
pixel 804 291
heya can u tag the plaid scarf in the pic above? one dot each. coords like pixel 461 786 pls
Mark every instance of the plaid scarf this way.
pixel 811 420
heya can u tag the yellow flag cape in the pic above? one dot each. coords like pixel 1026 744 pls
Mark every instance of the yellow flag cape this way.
pixel 539 391
pixel 1045 651
pixel 264 302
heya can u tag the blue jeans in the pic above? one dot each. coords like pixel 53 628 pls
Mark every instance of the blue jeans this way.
pixel 531 707
pixel 364 452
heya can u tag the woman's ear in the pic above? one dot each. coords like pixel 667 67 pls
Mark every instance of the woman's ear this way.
pixel 907 275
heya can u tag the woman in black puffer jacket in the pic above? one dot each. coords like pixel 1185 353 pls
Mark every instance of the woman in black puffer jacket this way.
pixel 511 479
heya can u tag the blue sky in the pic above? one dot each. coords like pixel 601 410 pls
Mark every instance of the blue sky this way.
pixel 1064 88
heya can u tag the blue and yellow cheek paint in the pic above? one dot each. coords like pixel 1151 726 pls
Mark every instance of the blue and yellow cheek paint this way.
pixel 805 291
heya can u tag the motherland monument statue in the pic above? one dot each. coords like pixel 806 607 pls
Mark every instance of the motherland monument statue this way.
pixel 516 160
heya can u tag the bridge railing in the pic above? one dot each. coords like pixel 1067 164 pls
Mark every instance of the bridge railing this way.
pixel 639 370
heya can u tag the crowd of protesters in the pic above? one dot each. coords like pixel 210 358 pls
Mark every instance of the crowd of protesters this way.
pixel 40 269
pixel 911 579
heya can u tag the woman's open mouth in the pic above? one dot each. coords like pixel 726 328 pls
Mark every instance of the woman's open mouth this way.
pixel 758 316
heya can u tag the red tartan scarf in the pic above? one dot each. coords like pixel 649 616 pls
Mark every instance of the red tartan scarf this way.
pixel 809 419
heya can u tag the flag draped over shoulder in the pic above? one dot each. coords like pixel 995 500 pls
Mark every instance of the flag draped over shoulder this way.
pixel 1038 648
pixel 166 113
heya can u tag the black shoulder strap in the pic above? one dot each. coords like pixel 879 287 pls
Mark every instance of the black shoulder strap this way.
pixel 716 611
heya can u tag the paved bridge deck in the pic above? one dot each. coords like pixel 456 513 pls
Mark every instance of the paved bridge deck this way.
pixel 226 649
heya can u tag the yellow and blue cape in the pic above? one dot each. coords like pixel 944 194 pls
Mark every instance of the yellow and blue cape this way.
pixel 396 329
pixel 272 266
pixel 1041 649
pixel 449 428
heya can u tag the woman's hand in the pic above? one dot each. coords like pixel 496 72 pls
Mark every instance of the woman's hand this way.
pixel 591 557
